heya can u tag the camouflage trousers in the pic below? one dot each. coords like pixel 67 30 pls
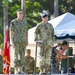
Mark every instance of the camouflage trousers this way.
pixel 19 54
pixel 45 58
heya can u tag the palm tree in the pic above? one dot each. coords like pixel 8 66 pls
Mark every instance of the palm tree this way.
pixel 5 15
pixel 55 8
pixel 23 7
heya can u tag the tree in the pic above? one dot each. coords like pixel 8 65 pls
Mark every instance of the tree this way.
pixel 5 15
pixel 1 25
pixel 66 6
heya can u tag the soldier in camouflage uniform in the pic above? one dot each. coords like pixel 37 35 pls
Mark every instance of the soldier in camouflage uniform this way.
pixel 18 37
pixel 29 63
pixel 45 33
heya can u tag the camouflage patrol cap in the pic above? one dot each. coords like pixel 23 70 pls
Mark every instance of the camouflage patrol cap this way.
pixel 28 50
pixel 19 11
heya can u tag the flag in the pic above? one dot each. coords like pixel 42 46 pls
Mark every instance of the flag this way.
pixel 6 54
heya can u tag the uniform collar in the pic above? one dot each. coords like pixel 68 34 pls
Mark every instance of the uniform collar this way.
pixel 44 23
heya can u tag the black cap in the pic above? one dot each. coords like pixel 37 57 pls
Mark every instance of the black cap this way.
pixel 44 15
pixel 64 43
pixel 19 10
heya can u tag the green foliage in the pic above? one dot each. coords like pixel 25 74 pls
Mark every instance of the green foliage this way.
pixel 32 15
pixel 13 7
pixel 1 8
pixel 66 6
pixel 1 38
pixel 2 45
pixel 1 34
pixel 6 2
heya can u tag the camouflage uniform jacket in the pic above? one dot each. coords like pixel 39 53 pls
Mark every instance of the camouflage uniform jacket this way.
pixel 29 65
pixel 44 32
pixel 19 29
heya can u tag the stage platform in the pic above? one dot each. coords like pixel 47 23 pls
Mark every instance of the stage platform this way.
pixel 38 74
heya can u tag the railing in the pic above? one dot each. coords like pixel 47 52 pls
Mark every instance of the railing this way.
pixel 36 55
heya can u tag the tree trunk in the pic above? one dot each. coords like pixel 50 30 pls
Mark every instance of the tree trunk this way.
pixel 55 8
pixel 5 15
pixel 23 7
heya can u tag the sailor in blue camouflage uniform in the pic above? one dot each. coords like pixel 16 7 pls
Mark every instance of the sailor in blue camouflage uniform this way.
pixel 45 32
pixel 18 37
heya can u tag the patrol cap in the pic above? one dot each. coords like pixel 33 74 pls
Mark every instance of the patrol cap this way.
pixel 19 11
pixel 44 14
pixel 28 50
